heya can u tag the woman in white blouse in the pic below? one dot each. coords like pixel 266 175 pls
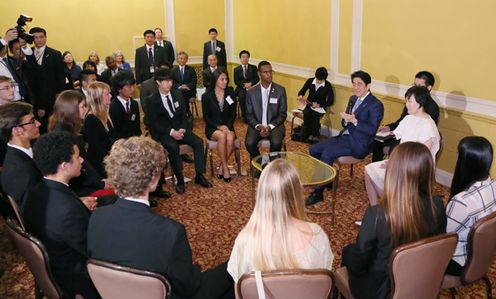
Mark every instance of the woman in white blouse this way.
pixel 276 236
pixel 417 126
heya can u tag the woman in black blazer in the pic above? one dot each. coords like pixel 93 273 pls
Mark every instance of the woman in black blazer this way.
pixel 407 212
pixel 219 113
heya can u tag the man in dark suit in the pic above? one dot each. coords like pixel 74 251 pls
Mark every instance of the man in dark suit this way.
pixel 86 77
pixel 214 46
pixel 169 125
pixel 360 122
pixel 266 109
pixel 8 68
pixel 184 79
pixel 19 128
pixel 116 234
pixel 245 76
pixel 46 76
pixel 148 57
pixel 422 78
pixel 11 34
pixel 124 111
pixel 207 73
pixel 57 217
pixel 111 70
pixel 167 45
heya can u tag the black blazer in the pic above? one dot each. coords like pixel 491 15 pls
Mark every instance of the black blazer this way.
pixel 99 142
pixel 106 75
pixel 220 53
pixel 251 77
pixel 189 78
pixel 116 234
pixel 124 125
pixel 142 63
pixel 57 217
pixel 212 114
pixel 324 96
pixel 169 51
pixel 159 119
pixel 46 80
pixel 19 174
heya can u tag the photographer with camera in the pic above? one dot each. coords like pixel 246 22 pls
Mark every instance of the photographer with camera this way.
pixel 11 34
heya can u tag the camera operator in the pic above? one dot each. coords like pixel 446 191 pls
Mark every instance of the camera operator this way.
pixel 9 35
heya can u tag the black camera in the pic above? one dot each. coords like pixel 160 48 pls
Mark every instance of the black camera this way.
pixel 21 22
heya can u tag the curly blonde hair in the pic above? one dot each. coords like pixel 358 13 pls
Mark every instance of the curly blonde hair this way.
pixel 133 163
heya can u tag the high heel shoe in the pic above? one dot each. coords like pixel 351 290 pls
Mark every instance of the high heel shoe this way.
pixel 227 180
pixel 220 176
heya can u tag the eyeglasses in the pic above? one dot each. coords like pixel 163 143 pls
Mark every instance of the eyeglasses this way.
pixel 32 121
pixel 11 86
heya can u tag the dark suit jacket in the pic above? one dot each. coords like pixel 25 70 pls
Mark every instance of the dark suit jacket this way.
pixel 47 79
pixel 159 119
pixel 107 75
pixel 99 142
pixel 169 51
pixel 116 234
pixel 189 78
pixel 19 174
pixel 212 114
pixel 124 125
pixel 16 69
pixel 57 217
pixel 276 109
pixel 324 96
pixel 142 63
pixel 430 107
pixel 369 115
pixel 251 77
pixel 220 53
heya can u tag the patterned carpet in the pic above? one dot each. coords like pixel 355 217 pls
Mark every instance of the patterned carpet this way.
pixel 213 217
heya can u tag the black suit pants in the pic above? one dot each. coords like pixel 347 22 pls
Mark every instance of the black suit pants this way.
pixel 311 123
pixel 276 138
pixel 242 101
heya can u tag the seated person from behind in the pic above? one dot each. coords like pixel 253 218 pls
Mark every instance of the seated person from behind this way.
pixel 422 78
pixel 266 109
pixel 207 73
pixel 320 96
pixel 18 128
pixel 56 216
pixel 169 126
pixel 360 122
pixel 124 111
pixel 279 216
pixel 417 126
pixel 219 113
pixel 408 212
pixel 245 76
pixel 116 233
pixel 473 194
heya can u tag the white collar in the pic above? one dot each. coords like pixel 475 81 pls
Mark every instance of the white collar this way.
pixel 46 178
pixel 40 50
pixel 149 47
pixel 317 85
pixel 363 98
pixel 164 95
pixel 139 200
pixel 27 151
pixel 213 69
pixel 266 89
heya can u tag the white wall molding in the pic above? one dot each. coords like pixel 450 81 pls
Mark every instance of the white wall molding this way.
pixel 170 27
pixel 195 60
pixel 229 25
pixel 356 35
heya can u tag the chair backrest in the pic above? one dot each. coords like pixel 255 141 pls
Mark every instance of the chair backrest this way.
pixel 17 211
pixel 36 258
pixel 287 284
pixel 481 249
pixel 417 269
pixel 114 281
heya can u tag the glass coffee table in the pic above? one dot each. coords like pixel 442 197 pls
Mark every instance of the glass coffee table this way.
pixel 312 172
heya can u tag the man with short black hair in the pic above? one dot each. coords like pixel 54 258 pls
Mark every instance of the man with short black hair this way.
pixel 216 47
pixel 148 57
pixel 111 70
pixel 167 45
pixel 86 78
pixel 9 68
pixel 124 111
pixel 245 77
pixel 184 79
pixel 56 216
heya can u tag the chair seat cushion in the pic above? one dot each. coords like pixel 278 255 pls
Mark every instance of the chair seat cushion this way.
pixel 348 160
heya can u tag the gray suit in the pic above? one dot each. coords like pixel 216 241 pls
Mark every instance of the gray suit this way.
pixel 276 116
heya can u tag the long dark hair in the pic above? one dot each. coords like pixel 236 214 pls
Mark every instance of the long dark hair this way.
pixel 215 76
pixel 475 156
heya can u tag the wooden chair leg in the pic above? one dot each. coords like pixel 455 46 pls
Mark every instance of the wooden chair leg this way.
pixel 351 170
pixel 453 293
pixel 489 287
pixel 196 109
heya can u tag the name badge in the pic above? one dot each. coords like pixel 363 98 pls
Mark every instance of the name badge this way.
pixel 152 69
pixel 133 117
pixel 218 49
pixel 229 100
pixel 273 100
pixel 176 104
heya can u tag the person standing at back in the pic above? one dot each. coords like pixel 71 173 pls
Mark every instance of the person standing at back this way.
pixel 216 47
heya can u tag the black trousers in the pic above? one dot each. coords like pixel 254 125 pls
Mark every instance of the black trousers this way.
pixel 276 138
pixel 242 101
pixel 311 123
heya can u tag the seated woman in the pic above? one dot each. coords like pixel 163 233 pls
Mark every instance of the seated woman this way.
pixel 121 62
pixel 100 67
pixel 407 212
pixel 277 237
pixel 69 111
pixel 417 126
pixel 71 69
pixel 219 113
pixel 97 128
pixel 473 194
pixel 320 96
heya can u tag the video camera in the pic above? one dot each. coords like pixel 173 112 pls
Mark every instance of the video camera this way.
pixel 21 22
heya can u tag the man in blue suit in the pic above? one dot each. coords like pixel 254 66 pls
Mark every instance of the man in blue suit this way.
pixel 360 122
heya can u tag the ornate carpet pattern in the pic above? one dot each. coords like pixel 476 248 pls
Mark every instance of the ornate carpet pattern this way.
pixel 213 217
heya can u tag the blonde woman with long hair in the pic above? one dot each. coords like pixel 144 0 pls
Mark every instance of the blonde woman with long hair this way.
pixel 406 213
pixel 276 236
pixel 97 129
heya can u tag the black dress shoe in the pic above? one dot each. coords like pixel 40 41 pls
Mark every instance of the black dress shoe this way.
pixel 315 197
pixel 227 180
pixel 186 159
pixel 153 202
pixel 202 181
pixel 159 192
pixel 180 188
